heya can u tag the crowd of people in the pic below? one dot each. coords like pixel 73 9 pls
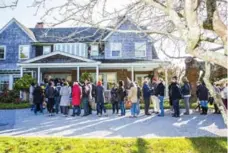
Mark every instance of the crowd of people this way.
pixel 58 96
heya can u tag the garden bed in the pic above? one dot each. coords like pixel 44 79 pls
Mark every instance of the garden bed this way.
pixel 133 145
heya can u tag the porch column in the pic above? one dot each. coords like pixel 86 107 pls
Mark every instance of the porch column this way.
pixel 78 75
pixel 38 76
pixel 166 83
pixel 21 72
pixel 132 74
pixel 97 73
pixel 11 82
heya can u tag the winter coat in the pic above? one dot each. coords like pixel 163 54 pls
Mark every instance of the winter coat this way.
pixel 86 91
pixel 185 89
pixel 146 91
pixel 50 92
pixel 153 88
pixel 38 95
pixel 76 95
pixel 138 92
pixel 132 95
pixel 160 90
pixel 65 93
pixel 121 93
pixel 114 97
pixel 202 92
pixel 175 91
pixel 100 94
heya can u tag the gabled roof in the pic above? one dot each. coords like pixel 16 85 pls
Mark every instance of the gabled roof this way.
pixel 33 60
pixel 76 34
pixel 26 30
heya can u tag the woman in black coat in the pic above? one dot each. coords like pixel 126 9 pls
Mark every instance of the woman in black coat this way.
pixel 38 99
pixel 202 94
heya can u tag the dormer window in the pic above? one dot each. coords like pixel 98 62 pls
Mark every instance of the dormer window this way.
pixel 116 49
pixel 94 50
pixel 46 50
pixel 140 49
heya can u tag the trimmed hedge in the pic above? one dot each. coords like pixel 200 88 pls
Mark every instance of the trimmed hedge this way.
pixel 133 145
pixel 14 105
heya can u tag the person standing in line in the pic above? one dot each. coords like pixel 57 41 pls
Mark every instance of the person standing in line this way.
pixel 224 95
pixel 153 97
pixel 186 92
pixel 160 92
pixel 175 93
pixel 51 95
pixel 57 98
pixel 85 97
pixel 217 91
pixel 146 96
pixel 100 99
pixel 121 93
pixel 114 99
pixel 65 93
pixel 138 100
pixel 203 95
pixel 133 98
pixel 38 99
pixel 170 98
pixel 76 99
pixel 90 96
pixel 31 89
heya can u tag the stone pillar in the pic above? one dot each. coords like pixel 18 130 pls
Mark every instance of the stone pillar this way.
pixel 10 82
pixel 21 72
pixel 132 74
pixel 38 76
pixel 78 74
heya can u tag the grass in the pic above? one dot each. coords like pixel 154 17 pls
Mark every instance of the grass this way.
pixel 133 145
pixel 14 105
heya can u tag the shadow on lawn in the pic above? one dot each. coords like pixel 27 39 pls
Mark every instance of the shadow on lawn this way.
pixel 141 145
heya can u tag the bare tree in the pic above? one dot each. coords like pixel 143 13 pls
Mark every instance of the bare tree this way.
pixel 8 4
pixel 199 26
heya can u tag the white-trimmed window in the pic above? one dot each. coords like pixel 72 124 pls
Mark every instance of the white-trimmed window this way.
pixel 140 49
pixel 46 50
pixel 116 49
pixel 94 50
pixel 24 51
pixel 2 52
pixel 78 49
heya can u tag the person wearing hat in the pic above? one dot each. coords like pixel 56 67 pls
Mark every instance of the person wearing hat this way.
pixel 100 99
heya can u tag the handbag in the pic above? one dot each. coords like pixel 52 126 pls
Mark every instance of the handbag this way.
pixel 128 104
pixel 211 100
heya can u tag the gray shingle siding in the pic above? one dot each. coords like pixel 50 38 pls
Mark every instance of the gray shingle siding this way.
pixel 12 37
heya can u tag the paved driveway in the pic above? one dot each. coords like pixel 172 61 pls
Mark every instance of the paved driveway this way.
pixel 25 123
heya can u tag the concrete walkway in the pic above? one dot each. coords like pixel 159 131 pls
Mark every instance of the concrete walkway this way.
pixel 25 123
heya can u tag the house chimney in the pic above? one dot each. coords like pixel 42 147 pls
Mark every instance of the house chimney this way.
pixel 39 25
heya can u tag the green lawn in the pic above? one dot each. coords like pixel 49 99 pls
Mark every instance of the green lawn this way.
pixel 14 106
pixel 133 145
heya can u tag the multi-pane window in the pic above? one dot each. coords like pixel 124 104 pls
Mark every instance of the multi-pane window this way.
pixel 24 51
pixel 2 52
pixel 78 49
pixel 116 49
pixel 140 49
pixel 94 50
pixel 46 49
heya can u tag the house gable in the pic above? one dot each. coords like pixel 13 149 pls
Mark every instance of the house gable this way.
pixel 58 57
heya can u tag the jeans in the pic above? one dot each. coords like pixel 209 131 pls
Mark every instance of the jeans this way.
pixel 147 105
pixel 134 109
pixel 85 106
pixel 115 107
pixel 138 107
pixel 186 102
pixel 204 103
pixel 161 98
pixel 50 105
pixel 57 102
pixel 78 109
pixel 38 107
pixel 176 107
pixel 101 108
pixel 122 108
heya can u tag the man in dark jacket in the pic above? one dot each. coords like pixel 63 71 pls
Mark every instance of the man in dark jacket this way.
pixel 100 99
pixel 146 96
pixel 50 93
pixel 175 93
pixel 114 99
pixel 160 92
pixel 38 99
pixel 121 94
pixel 202 94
